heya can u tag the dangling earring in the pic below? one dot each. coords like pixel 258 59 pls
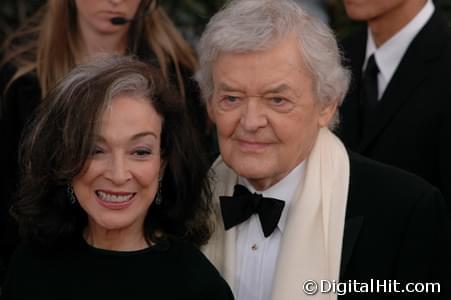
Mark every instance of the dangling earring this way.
pixel 71 194
pixel 159 197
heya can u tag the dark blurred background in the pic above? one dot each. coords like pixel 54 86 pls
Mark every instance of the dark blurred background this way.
pixel 189 15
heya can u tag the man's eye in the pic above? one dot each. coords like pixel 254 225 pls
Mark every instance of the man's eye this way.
pixel 228 102
pixel 278 100
pixel 231 98
pixel 280 104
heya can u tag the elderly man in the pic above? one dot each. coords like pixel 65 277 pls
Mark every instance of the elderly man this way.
pixel 292 204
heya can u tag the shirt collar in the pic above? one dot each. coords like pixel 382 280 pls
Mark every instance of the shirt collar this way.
pixel 283 190
pixel 389 54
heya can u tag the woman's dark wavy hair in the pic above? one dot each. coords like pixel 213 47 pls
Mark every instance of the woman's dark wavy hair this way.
pixel 61 139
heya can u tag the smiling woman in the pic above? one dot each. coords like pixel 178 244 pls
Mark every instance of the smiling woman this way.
pixel 121 178
pixel 61 35
pixel 114 195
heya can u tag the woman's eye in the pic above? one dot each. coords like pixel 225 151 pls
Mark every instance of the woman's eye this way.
pixel 142 152
pixel 97 151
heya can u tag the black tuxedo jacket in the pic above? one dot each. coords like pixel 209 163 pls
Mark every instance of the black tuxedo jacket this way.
pixel 411 126
pixel 396 228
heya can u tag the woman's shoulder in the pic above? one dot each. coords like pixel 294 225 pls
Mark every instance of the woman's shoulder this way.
pixel 27 262
pixel 199 271
pixel 33 254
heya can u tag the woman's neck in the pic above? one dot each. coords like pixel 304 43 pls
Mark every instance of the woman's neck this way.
pixel 92 44
pixel 129 239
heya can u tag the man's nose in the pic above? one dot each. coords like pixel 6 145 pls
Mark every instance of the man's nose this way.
pixel 115 2
pixel 253 116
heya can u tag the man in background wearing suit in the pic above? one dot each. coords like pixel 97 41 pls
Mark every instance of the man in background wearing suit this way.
pixel 292 205
pixel 398 108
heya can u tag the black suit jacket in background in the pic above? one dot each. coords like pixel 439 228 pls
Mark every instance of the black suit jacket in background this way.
pixel 411 127
pixel 396 228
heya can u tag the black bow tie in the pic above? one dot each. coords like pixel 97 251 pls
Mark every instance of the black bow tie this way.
pixel 243 204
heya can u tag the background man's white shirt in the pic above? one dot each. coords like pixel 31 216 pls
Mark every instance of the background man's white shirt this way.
pixel 389 54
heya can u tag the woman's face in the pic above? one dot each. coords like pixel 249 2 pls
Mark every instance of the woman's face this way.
pixel 96 15
pixel 120 180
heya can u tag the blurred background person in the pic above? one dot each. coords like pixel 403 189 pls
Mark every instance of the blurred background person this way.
pixel 63 34
pixel 318 8
pixel 111 202
pixel 398 108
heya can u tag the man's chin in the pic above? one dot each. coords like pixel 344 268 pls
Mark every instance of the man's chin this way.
pixel 257 176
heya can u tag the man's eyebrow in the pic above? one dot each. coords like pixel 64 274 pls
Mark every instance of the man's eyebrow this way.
pixel 225 87
pixel 278 89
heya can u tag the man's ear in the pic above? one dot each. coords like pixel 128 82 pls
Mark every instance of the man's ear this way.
pixel 210 112
pixel 326 113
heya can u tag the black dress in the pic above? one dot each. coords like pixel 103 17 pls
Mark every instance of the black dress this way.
pixel 170 270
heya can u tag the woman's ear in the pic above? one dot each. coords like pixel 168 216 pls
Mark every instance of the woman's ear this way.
pixel 162 169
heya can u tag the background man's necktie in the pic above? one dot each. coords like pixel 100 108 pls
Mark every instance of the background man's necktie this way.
pixel 369 87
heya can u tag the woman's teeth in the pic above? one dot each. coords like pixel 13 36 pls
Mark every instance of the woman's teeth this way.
pixel 114 197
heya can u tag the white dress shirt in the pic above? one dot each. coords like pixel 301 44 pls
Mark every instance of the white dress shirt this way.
pixel 389 54
pixel 256 256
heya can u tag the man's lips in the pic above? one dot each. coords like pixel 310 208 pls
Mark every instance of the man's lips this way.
pixel 252 145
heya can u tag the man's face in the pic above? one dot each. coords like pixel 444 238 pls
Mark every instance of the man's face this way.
pixel 264 109
pixel 370 10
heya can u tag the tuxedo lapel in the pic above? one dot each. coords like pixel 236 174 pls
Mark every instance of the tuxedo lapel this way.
pixel 411 72
pixel 351 232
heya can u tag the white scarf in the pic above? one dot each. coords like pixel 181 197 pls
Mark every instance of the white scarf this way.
pixel 312 240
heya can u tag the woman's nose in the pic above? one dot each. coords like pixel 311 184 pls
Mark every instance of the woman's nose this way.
pixel 118 171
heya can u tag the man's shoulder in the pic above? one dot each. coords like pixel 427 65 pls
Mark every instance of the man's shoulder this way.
pixel 438 23
pixel 376 179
